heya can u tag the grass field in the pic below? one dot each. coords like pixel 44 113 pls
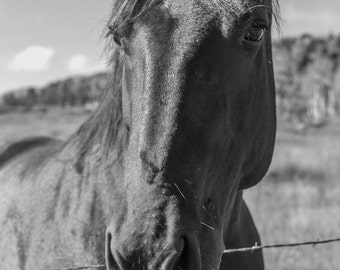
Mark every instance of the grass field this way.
pixel 298 200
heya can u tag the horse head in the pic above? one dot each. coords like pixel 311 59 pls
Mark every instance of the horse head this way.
pixel 198 102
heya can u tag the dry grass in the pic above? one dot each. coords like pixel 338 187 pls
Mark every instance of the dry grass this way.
pixel 299 199
pixel 56 123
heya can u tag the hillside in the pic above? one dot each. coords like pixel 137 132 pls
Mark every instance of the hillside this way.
pixel 307 74
pixel 73 91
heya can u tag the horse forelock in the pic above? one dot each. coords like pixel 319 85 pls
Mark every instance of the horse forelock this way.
pixel 125 12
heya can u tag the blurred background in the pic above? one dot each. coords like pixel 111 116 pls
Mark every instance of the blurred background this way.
pixel 53 71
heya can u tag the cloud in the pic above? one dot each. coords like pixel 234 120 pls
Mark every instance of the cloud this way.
pixel 311 19
pixel 81 64
pixel 78 63
pixel 2 15
pixel 34 58
pixel 2 11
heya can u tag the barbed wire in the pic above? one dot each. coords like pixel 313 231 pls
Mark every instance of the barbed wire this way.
pixel 231 251
pixel 256 247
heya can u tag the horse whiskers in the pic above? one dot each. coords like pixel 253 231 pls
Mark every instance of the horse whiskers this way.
pixel 187 181
pixel 208 212
pixel 180 192
pixel 206 225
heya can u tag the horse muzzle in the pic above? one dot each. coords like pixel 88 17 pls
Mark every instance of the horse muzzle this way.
pixel 184 254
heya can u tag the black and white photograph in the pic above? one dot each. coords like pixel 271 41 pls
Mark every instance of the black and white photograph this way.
pixel 169 135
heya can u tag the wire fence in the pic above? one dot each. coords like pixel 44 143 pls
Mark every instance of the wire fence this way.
pixel 231 251
pixel 256 247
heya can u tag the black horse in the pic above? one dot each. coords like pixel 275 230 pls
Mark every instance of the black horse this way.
pixel 154 179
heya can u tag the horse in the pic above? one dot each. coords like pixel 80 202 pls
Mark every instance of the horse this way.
pixel 154 178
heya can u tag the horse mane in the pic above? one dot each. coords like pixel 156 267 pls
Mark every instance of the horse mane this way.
pixel 125 12
pixel 104 132
pixel 9 152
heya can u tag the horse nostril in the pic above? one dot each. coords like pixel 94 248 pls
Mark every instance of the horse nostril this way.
pixel 111 263
pixel 184 256
pixel 182 259
pixel 189 258
pixel 171 261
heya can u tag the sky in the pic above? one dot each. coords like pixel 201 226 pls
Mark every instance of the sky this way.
pixel 45 40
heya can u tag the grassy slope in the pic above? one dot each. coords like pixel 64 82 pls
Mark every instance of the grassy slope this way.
pixel 299 199
pixel 56 123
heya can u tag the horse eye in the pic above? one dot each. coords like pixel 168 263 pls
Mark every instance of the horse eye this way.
pixel 254 34
pixel 117 39
pixel 114 34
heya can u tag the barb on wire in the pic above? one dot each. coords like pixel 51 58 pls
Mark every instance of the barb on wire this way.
pixel 229 251
pixel 256 247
